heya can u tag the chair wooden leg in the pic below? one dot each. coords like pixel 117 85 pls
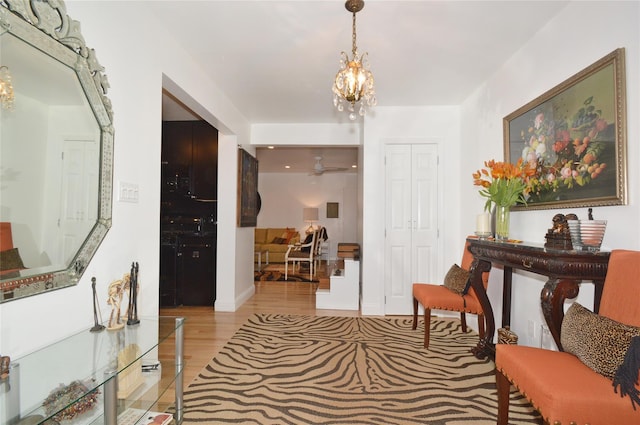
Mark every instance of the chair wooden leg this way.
pixel 504 387
pixel 481 325
pixel 286 269
pixel 427 326
pixel 415 314
pixel 463 321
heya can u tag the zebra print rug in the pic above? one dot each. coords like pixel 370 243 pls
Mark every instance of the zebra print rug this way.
pixel 284 369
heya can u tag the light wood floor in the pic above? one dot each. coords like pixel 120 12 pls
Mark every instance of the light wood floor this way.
pixel 206 331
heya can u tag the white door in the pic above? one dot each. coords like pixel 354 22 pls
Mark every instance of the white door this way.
pixel 411 189
pixel 79 194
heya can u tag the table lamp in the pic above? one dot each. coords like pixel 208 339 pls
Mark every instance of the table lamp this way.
pixel 310 215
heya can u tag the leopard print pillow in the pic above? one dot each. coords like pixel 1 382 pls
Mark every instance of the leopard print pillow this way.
pixel 457 280
pixel 599 342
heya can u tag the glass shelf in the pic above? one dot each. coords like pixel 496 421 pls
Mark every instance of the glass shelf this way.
pixel 111 371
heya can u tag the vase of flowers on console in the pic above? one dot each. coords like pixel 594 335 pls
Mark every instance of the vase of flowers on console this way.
pixel 505 185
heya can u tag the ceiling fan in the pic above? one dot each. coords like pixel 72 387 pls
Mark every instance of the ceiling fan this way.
pixel 319 169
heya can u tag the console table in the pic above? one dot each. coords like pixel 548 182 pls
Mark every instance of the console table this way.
pixel 96 360
pixel 564 269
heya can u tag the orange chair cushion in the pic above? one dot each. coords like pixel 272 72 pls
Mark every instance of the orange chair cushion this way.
pixel 438 297
pixel 6 239
pixel 621 281
pixel 562 388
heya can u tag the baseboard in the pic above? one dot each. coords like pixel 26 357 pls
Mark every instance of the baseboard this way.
pixel 235 305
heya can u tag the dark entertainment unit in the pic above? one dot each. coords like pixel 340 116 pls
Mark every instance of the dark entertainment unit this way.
pixel 188 214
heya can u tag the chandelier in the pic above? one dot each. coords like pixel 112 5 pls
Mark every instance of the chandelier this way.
pixel 354 81
pixel 6 89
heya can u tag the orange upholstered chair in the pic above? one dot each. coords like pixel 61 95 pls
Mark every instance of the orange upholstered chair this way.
pixel 438 297
pixel 560 386
pixel 6 238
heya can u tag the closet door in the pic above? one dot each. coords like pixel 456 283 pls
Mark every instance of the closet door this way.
pixel 79 198
pixel 411 218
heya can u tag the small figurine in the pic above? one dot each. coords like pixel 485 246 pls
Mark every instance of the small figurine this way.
pixel 116 292
pixel 559 236
pixel 560 225
pixel 97 326
pixel 132 310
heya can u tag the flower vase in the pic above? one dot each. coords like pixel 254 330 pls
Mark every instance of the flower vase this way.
pixel 502 222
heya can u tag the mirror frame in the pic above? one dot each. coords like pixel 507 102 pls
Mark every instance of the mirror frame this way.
pixel 45 25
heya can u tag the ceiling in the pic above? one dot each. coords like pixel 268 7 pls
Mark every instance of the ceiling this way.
pixel 276 60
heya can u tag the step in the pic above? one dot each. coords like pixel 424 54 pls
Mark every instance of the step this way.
pixel 332 269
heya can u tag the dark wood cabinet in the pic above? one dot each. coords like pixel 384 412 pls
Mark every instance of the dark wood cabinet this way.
pixel 205 161
pixel 188 271
pixel 190 159
pixel 169 268
pixel 188 213
pixel 197 280
pixel 176 143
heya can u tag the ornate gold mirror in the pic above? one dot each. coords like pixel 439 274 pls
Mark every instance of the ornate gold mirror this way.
pixel 56 150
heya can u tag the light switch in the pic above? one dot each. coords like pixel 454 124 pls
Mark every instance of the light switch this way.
pixel 127 192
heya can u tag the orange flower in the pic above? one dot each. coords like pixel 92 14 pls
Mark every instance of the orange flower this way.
pixel 503 183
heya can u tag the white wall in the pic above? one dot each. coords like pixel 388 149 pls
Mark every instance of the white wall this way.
pixel 429 124
pixel 284 195
pixel 549 58
pixel 139 58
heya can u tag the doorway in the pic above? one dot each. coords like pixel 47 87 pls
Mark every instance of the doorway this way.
pixel 288 183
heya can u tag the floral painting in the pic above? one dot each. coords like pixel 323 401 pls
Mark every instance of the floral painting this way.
pixel 574 138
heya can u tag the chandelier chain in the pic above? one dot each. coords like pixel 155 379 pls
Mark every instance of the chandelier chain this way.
pixel 354 48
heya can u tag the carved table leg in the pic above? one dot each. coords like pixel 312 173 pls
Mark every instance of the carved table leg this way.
pixel 552 297
pixel 597 296
pixel 485 346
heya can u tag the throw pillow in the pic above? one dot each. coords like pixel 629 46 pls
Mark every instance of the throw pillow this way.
pixel 289 234
pixel 599 342
pixel 10 260
pixel 457 280
pixel 610 348
pixel 278 240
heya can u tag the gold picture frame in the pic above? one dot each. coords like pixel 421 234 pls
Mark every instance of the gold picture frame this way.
pixel 575 135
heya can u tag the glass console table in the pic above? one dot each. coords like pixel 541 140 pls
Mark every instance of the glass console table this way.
pixel 98 377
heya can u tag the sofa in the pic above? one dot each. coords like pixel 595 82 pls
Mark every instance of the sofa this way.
pixel 276 241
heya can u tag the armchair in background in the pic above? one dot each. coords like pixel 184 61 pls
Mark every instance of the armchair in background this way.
pixel 300 253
